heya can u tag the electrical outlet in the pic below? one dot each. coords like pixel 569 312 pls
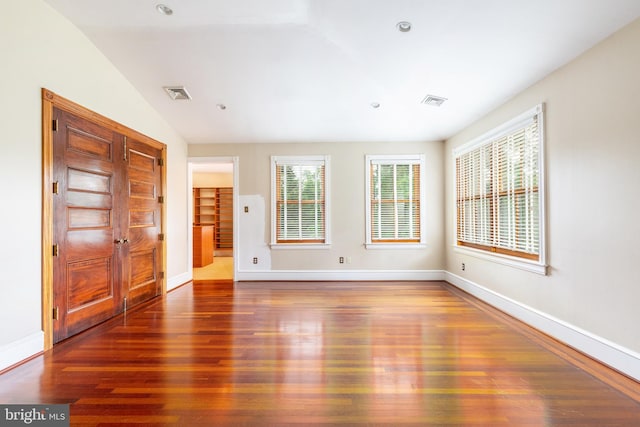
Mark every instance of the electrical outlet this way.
pixel 255 260
pixel 463 266
pixel 341 260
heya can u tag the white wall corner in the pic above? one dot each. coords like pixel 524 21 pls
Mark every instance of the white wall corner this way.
pixel 251 234
pixel 605 351
pixel 179 280
pixel 22 349
pixel 327 275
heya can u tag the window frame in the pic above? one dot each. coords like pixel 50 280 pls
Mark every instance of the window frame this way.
pixel 399 159
pixel 303 243
pixel 496 254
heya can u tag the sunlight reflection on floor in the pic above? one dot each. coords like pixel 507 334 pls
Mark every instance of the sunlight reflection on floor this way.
pixel 220 269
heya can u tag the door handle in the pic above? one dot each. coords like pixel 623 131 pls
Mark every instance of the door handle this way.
pixel 121 241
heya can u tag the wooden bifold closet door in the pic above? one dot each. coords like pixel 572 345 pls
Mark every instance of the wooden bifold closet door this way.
pixel 107 249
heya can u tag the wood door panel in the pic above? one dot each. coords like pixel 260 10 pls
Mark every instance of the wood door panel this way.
pixel 89 282
pixel 89 200
pixel 86 243
pixel 143 236
pixel 88 218
pixel 142 161
pixel 142 218
pixel 88 181
pixel 142 190
pixel 93 140
pixel 142 269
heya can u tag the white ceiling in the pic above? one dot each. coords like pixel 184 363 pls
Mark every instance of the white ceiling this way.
pixel 308 70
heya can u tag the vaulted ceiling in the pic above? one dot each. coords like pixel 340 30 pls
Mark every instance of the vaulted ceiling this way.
pixel 314 70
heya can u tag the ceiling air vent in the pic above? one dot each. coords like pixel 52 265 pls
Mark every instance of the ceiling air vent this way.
pixel 177 92
pixel 434 101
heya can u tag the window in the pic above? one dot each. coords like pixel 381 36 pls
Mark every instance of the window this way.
pixel 499 190
pixel 395 208
pixel 299 200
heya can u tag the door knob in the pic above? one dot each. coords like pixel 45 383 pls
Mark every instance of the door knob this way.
pixel 118 241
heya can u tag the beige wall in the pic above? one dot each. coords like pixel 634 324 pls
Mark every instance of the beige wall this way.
pixel 593 168
pixel 39 48
pixel 348 204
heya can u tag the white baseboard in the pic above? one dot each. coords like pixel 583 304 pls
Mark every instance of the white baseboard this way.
pixel 22 349
pixel 365 275
pixel 178 280
pixel 607 352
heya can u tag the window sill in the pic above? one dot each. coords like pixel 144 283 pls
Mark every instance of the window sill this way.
pixel 395 245
pixel 531 266
pixel 297 246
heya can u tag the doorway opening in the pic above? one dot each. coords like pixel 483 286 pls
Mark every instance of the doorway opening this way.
pixel 213 215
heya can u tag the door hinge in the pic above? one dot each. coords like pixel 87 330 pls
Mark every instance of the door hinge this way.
pixel 161 275
pixel 55 187
pixel 56 250
pixel 55 313
pixel 160 161
pixel 124 148
pixel 54 125
pixel 160 199
pixel 161 237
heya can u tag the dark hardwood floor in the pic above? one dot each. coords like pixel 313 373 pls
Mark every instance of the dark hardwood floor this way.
pixel 332 353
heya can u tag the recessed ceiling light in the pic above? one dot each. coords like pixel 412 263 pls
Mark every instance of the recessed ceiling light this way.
pixel 433 100
pixel 375 105
pixel 177 92
pixel 164 9
pixel 404 26
pixel 221 106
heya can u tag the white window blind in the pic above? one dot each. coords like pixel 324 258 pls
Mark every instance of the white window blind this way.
pixel 394 199
pixel 300 215
pixel 498 191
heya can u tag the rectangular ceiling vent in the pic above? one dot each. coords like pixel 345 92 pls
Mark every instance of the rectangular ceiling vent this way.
pixel 177 92
pixel 434 101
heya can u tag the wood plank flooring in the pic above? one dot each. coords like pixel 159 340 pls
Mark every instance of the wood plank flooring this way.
pixel 330 353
